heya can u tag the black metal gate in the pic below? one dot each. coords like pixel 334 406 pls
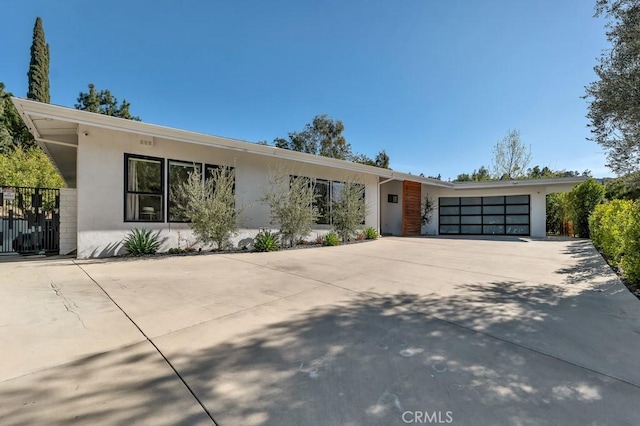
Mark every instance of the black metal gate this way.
pixel 29 220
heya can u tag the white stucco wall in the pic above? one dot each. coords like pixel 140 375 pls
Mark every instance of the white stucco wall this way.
pixel 100 188
pixel 391 213
pixel 68 220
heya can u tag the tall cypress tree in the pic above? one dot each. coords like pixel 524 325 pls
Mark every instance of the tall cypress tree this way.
pixel 39 66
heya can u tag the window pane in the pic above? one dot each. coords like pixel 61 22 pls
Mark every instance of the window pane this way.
pixel 518 229
pixel 179 173
pixel 449 210
pixel 471 201
pixel 518 199
pixel 144 175
pixel 493 229
pixel 471 229
pixel 321 201
pixel 517 209
pixel 449 220
pixel 449 229
pixel 336 189
pixel 471 210
pixel 449 201
pixel 146 208
pixel 519 219
pixel 492 200
pixel 493 209
pixel 471 220
pixel 492 220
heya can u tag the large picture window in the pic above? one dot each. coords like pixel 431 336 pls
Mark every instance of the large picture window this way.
pixel 322 201
pixel 326 192
pixel 144 189
pixel 179 172
pixel 497 215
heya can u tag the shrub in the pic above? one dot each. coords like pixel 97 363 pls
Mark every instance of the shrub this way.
pixel 291 201
pixel 210 206
pixel 360 236
pixel 583 199
pixel 631 261
pixel 331 239
pixel 141 241
pixel 319 239
pixel 615 231
pixel 266 241
pixel 31 167
pixel 370 233
pixel 348 209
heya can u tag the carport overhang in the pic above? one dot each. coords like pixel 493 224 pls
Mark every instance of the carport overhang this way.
pixel 58 138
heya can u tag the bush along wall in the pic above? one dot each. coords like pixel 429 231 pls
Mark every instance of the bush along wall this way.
pixel 615 231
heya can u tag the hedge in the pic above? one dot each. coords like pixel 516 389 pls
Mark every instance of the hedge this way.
pixel 615 231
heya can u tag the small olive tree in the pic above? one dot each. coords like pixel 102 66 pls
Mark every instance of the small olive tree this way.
pixel 290 199
pixel 209 205
pixel 348 209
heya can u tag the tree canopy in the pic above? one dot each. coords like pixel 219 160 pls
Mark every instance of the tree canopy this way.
pixel 614 110
pixel 478 175
pixel 13 131
pixel 39 66
pixel 323 136
pixel 510 157
pixel 103 102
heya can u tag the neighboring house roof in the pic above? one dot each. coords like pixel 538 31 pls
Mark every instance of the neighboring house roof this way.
pixel 55 128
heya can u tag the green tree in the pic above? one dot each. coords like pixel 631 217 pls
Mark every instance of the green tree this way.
pixel 323 136
pixel 481 174
pixel 13 131
pixel 210 206
pixel 614 109
pixel 348 209
pixel 31 167
pixel 624 188
pixel 583 199
pixel 103 102
pixel 558 213
pixel 290 199
pixel 510 157
pixel 39 66
pixel 381 160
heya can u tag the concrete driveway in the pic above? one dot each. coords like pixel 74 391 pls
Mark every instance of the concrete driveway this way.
pixel 392 332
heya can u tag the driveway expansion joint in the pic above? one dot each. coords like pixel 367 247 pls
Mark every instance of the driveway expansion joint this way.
pixel 204 408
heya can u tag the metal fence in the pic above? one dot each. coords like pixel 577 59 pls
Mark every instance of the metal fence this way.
pixel 29 220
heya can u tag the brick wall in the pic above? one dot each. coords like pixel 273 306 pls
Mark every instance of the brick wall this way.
pixel 68 220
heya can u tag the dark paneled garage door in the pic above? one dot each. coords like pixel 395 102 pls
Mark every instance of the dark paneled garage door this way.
pixel 501 215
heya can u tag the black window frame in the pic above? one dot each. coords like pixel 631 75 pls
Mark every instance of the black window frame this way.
pixel 162 194
pixel 168 203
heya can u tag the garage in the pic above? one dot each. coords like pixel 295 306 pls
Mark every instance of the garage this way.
pixel 494 215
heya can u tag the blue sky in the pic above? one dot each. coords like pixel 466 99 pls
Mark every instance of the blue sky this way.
pixel 436 83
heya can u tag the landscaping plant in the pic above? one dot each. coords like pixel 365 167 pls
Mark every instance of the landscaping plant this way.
pixel 209 205
pixel 266 241
pixel 615 231
pixel 291 201
pixel 370 233
pixel 348 210
pixel 331 239
pixel 141 241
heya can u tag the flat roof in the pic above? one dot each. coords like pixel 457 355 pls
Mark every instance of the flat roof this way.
pixel 55 129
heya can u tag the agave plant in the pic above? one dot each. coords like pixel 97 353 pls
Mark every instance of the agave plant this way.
pixel 141 241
